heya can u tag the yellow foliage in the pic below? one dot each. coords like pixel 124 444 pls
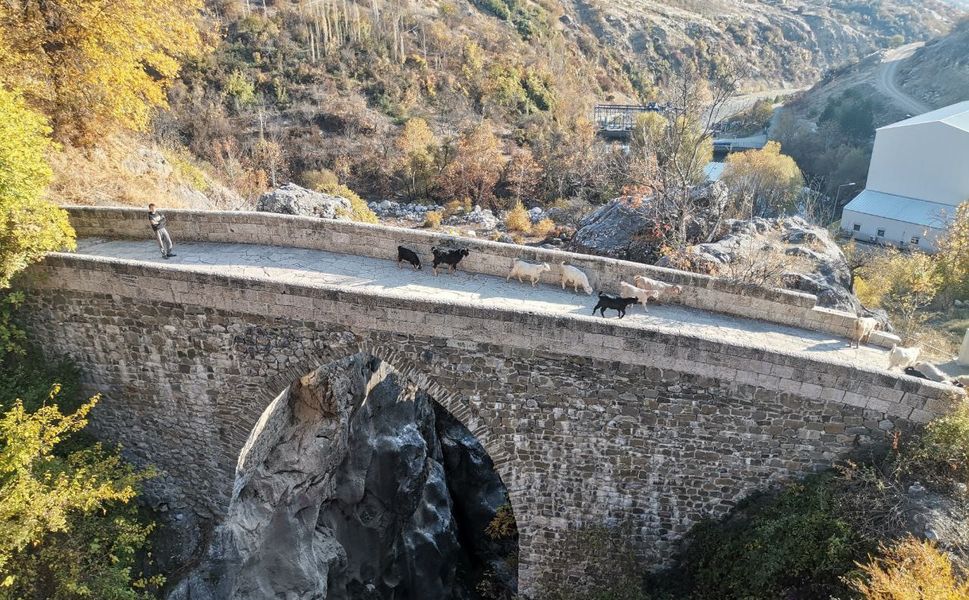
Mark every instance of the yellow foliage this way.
pixel 39 491
pixel 518 219
pixel 433 219
pixel 416 146
pixel 868 295
pixel 30 226
pixel 94 66
pixel 895 277
pixel 647 131
pixel 910 570
pixel 763 182
pixel 954 252
pixel 327 182
pixel 901 283
pixel 544 227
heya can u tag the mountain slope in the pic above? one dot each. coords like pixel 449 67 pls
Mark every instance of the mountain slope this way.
pixel 773 42
pixel 938 73
pixel 298 87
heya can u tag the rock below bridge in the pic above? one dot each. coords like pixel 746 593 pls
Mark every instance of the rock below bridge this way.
pixel 356 485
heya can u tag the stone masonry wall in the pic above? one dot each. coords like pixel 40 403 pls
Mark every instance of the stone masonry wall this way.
pixel 587 421
pixel 701 291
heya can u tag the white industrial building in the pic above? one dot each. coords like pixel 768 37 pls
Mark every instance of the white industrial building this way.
pixel 919 174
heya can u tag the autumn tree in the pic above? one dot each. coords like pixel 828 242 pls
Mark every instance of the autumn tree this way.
pixel 901 283
pixel 97 65
pixel 763 183
pixel 648 130
pixel 523 176
pixel 477 166
pixel 416 147
pixel 30 226
pixel 68 528
pixel 954 253
pixel 685 145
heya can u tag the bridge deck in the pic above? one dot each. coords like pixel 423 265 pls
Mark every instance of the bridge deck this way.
pixel 314 267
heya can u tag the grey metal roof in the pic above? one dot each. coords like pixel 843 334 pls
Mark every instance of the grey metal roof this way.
pixel 902 208
pixel 954 115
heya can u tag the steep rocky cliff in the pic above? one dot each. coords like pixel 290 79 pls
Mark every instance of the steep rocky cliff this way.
pixel 356 485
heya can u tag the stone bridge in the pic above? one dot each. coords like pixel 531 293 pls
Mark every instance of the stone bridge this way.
pixel 658 420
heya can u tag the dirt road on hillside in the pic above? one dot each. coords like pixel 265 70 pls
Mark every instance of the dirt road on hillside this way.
pixel 886 79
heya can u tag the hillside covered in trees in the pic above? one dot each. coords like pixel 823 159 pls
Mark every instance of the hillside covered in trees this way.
pixel 288 90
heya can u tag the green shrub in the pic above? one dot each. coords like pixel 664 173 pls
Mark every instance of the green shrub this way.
pixel 773 545
pixel 12 337
pixel 69 527
pixel 941 454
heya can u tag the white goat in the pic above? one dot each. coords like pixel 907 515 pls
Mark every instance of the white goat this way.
pixel 661 288
pixel 862 330
pixel 627 290
pixel 903 357
pixel 526 269
pixel 931 371
pixel 575 278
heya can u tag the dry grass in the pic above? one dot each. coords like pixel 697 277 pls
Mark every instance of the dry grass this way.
pixel 433 219
pixel 457 207
pixel 911 570
pixel 543 228
pixel 518 219
pixel 125 170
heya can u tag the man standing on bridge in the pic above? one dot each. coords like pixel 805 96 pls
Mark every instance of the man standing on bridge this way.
pixel 158 222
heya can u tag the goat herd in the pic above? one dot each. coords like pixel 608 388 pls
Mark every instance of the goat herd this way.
pixel 645 289
pixel 906 359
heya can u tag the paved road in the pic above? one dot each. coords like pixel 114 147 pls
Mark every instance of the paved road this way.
pixel 313 267
pixel 886 80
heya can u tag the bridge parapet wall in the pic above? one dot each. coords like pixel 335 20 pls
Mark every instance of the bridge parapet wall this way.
pixel 491 258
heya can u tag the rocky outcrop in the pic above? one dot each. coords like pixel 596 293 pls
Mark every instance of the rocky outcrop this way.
pixel 618 229
pixel 356 485
pixel 631 228
pixel 814 263
pixel 291 199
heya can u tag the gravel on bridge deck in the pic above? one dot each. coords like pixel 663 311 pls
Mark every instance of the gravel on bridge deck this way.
pixel 314 267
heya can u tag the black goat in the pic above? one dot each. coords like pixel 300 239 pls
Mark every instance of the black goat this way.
pixel 449 257
pixel 913 372
pixel 408 255
pixel 616 303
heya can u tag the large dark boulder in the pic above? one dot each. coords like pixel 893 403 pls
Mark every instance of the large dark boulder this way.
pixel 633 228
